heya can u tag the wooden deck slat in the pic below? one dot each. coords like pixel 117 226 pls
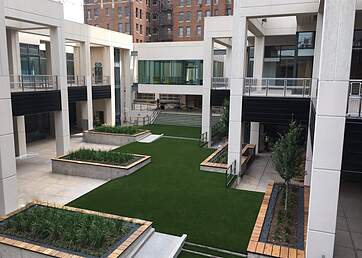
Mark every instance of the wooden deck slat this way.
pixel 252 246
pixel 284 252
pixel 276 251
pixel 260 248
pixel 268 249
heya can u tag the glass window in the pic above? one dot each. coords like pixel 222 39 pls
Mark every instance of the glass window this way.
pixel 208 13
pixel 198 30
pixel 188 31
pixel 174 72
pixel 305 40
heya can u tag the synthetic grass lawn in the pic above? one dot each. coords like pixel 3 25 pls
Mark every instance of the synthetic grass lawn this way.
pixel 173 130
pixel 179 198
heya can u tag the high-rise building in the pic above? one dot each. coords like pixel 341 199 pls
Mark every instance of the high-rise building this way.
pixel 155 20
pixel 123 16
pixel 188 17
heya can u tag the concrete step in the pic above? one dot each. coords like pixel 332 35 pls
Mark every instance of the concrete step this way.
pixel 161 245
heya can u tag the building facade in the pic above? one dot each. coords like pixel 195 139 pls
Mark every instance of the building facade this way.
pixel 130 17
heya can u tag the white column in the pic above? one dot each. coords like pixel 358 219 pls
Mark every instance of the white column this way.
pixel 259 46
pixel 109 70
pixel 126 84
pixel 227 64
pixel 58 66
pixel 15 69
pixel 206 96
pixel 8 185
pixel 19 136
pixel 238 73
pixel 308 160
pixel 334 73
pixel 86 71
pixel 254 135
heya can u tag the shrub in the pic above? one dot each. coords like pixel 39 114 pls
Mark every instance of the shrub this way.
pixel 78 232
pixel 106 157
pixel 118 129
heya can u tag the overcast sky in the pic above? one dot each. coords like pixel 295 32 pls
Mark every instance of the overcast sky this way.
pixel 73 10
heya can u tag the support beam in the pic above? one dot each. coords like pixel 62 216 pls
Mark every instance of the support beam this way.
pixel 206 96
pixel 8 184
pixel 254 135
pixel 334 74
pixel 86 71
pixel 108 63
pixel 240 29
pixel 259 47
pixel 58 67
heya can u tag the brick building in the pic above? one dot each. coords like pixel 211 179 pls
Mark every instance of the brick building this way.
pixel 155 20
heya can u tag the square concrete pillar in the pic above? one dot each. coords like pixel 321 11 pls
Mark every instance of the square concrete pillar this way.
pixel 19 136
pixel 58 67
pixel 108 61
pixel 86 71
pixel 255 134
pixel 259 47
pixel 206 96
pixel 238 72
pixel 126 84
pixel 334 73
pixel 8 185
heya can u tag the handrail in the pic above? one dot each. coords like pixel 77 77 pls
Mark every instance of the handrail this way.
pixel 282 87
pixel 230 174
pixel 220 83
pixel 143 106
pixel 76 80
pixel 354 106
pixel 24 83
pixel 101 80
pixel 203 139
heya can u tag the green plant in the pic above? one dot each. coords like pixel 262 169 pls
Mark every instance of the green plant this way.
pixel 118 129
pixel 78 232
pixel 107 157
pixel 225 117
pixel 287 156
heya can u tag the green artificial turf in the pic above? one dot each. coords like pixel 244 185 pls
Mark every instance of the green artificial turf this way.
pixel 179 198
pixel 173 130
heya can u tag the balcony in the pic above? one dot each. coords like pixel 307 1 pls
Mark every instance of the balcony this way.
pixel 76 81
pixel 32 83
pixel 101 80
pixel 278 87
pixel 354 107
pixel 220 83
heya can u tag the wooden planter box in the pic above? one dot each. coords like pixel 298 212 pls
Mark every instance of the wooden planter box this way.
pixel 260 249
pixel 113 138
pixel 97 170
pixel 17 248
pixel 210 166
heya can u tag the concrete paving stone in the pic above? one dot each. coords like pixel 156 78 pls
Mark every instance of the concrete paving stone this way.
pixel 343 252
pixel 355 225
pixel 343 238
pixel 357 240
pixel 342 223
pixel 359 254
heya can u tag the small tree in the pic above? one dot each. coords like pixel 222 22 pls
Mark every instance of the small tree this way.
pixel 287 155
pixel 225 117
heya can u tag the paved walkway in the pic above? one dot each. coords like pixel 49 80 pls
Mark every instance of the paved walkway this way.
pixel 348 242
pixel 37 182
pixel 260 173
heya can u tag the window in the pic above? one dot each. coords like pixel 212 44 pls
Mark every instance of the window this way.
pixel 107 11
pixel 188 2
pixel 199 2
pixel 199 15
pixel 188 31
pixel 207 2
pixel 96 12
pixel 198 30
pixel 181 16
pixel 180 31
pixel 127 28
pixel 228 12
pixel 305 43
pixel 188 16
pixel 120 27
pixel 120 10
pixel 170 72
pixel 182 3
pixel 207 13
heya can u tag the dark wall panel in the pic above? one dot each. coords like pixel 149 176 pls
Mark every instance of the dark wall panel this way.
pixel 77 94
pixel 101 92
pixel 352 151
pixel 26 103
pixel 276 110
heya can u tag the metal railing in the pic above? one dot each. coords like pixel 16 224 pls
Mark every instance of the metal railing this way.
pixel 278 87
pixel 101 80
pixel 220 83
pixel 354 106
pixel 76 80
pixel 230 174
pixel 26 83
pixel 143 106
pixel 146 120
pixel 203 139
